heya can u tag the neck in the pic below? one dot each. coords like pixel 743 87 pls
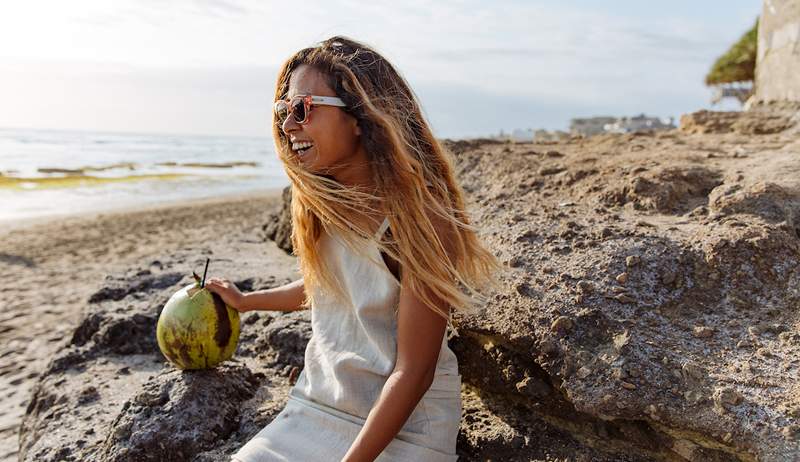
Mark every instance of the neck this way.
pixel 357 172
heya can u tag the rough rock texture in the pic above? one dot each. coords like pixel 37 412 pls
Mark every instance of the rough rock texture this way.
pixel 649 312
pixel 110 395
pixel 778 60
pixel 278 227
pixel 760 120
pixel 653 290
pixel 196 409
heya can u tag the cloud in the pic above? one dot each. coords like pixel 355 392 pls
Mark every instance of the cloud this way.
pixel 477 63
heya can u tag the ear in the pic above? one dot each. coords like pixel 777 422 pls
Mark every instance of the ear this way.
pixel 357 130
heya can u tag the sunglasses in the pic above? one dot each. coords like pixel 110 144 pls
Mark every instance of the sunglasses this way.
pixel 299 107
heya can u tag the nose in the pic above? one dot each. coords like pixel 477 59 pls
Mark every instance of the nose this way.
pixel 289 124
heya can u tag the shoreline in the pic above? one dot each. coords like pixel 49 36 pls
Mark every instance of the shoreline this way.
pixel 16 224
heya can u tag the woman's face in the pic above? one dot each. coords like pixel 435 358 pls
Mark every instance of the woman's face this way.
pixel 336 148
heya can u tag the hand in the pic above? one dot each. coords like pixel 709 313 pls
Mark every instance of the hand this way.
pixel 228 291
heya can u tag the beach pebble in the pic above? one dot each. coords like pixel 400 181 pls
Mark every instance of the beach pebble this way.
pixel 622 278
pixel 585 287
pixel 668 277
pixel 621 339
pixel 791 432
pixel 727 397
pixel 632 260
pixel 545 171
pixel 516 261
pixel 693 372
pixel 789 338
pixel 562 325
pixel 624 298
pixel 703 332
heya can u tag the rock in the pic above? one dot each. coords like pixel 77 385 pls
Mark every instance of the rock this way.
pixel 543 363
pixel 621 340
pixel 668 277
pixel 666 190
pixel 625 298
pixel 169 418
pixel 703 332
pixel 693 372
pixel 81 409
pixel 622 278
pixel 585 287
pixel 766 200
pixel 278 227
pixel 726 397
pixel 546 171
pixel 562 325
pixel 791 432
pixel 789 338
pixel 742 122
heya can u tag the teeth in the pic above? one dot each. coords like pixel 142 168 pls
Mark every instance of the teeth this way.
pixel 301 145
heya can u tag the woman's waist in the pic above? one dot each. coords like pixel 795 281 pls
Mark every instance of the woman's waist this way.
pixel 357 390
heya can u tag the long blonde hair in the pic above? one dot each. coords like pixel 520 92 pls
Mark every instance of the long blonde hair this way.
pixel 414 182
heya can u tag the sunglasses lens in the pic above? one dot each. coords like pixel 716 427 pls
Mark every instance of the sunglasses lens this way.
pixel 281 111
pixel 298 110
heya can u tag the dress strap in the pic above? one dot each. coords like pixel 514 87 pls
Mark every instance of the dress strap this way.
pixel 382 229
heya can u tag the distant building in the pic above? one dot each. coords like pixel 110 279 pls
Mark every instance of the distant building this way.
pixel 545 135
pixel 640 123
pixel 590 125
pixel 522 135
pixel 595 125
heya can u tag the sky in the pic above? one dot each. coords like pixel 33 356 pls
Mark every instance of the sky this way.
pixel 208 67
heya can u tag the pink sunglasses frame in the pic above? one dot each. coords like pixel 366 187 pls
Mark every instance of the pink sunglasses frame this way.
pixel 309 101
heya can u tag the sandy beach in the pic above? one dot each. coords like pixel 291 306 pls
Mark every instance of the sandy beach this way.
pixel 50 267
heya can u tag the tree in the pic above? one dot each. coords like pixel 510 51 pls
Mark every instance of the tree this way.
pixel 738 64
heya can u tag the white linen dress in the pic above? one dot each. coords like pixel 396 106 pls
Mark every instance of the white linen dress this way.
pixel 352 351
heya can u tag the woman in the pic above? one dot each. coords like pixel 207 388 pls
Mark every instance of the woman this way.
pixel 386 251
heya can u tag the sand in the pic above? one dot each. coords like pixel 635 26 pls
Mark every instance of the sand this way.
pixel 50 267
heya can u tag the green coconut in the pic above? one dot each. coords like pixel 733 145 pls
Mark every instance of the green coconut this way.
pixel 196 329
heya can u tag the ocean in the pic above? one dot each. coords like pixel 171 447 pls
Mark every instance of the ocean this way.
pixel 56 172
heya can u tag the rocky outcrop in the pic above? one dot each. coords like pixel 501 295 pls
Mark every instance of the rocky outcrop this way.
pixel 653 288
pixel 278 227
pixel 760 120
pixel 649 312
pixel 110 395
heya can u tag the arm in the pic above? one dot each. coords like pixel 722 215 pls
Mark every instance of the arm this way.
pixel 419 338
pixel 287 297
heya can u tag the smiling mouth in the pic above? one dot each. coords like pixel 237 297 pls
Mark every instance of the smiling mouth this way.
pixel 302 147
